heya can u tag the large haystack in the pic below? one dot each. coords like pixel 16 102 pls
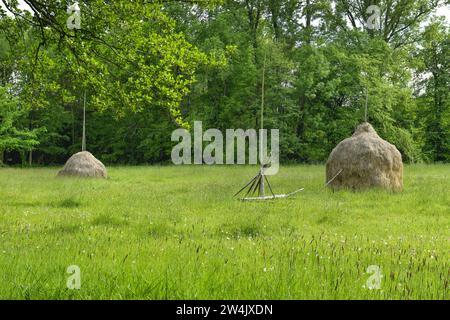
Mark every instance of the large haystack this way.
pixel 83 164
pixel 366 161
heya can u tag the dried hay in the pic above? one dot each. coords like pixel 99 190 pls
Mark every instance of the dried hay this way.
pixel 83 164
pixel 365 160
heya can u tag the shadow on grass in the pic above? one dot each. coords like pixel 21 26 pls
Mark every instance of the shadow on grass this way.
pixel 65 229
pixel 233 231
pixel 105 220
pixel 67 203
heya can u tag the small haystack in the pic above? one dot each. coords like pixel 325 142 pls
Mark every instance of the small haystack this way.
pixel 365 160
pixel 83 164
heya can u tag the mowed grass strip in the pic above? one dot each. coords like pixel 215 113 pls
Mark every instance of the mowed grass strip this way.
pixel 177 233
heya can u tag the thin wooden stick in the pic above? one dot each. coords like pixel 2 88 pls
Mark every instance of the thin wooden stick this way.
pixel 257 184
pixel 294 192
pixel 83 140
pixel 255 181
pixel 270 187
pixel 245 186
pixel 333 177
pixel 365 107
pixel 261 142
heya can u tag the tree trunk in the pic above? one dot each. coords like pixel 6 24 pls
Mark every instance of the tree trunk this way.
pixel 30 158
pixel 23 158
pixel 308 21
pixel 73 125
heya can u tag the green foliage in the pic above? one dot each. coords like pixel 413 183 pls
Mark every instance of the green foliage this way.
pixel 150 68
pixel 12 136
pixel 435 101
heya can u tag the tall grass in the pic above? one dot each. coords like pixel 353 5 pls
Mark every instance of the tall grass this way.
pixel 177 233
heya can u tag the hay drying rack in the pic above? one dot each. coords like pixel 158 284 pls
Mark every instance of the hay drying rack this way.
pixel 257 184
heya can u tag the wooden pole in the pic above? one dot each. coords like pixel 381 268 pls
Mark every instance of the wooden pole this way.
pixel 365 107
pixel 83 141
pixel 261 142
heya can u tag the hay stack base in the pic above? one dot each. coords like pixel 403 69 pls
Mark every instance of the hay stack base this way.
pixel 83 164
pixel 365 161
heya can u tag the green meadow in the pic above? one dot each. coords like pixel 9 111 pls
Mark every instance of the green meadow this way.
pixel 178 233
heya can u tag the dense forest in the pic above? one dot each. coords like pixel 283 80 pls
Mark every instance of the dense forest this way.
pixel 145 68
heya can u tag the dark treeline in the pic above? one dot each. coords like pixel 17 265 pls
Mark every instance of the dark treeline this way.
pixel 147 69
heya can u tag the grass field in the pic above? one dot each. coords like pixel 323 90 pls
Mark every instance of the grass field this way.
pixel 177 233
